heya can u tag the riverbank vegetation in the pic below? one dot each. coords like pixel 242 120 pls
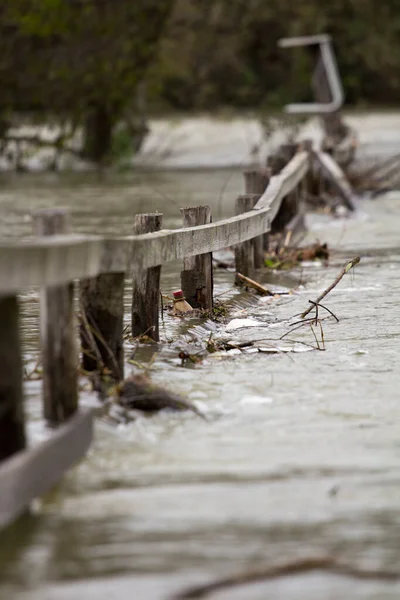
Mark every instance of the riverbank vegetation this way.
pixel 89 62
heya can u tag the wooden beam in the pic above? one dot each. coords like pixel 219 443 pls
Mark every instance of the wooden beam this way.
pixel 33 472
pixel 281 185
pixel 48 262
pixel 336 177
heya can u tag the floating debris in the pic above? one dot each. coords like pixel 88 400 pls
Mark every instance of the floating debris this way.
pixel 139 393
pixel 377 178
pixel 255 285
pixel 285 257
pixel 180 303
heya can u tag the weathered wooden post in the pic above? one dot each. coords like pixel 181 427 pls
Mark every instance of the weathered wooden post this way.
pixel 256 182
pixel 57 331
pixel 146 285
pixel 197 274
pixel 101 302
pixel 12 427
pixel 244 252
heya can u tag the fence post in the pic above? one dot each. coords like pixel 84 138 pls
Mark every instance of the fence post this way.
pixel 197 274
pixel 101 326
pixel 256 182
pixel 57 331
pixel 101 302
pixel 12 426
pixel 244 252
pixel 146 285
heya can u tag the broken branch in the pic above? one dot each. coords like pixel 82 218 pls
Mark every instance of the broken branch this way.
pixel 342 273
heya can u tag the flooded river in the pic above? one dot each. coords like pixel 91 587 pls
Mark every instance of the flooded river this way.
pixel 299 458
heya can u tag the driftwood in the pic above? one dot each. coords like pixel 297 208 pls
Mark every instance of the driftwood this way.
pixel 138 393
pixel 257 286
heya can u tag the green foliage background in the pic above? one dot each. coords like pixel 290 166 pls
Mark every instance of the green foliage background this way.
pixel 84 59
pixel 71 55
pixel 224 52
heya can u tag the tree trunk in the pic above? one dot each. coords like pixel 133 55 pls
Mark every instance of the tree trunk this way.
pixel 98 130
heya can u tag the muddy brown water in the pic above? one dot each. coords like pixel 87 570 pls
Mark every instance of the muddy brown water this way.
pixel 300 455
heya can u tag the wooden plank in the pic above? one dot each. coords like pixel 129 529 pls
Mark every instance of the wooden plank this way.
pixel 336 177
pixel 33 472
pixel 281 185
pixel 165 246
pixel 52 261
pixel 64 258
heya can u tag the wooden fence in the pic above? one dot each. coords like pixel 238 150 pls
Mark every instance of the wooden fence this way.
pixel 56 258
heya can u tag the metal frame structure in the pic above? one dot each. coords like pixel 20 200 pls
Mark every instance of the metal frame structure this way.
pixel 328 60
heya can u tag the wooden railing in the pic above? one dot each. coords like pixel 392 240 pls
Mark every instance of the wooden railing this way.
pixel 55 259
pixel 62 258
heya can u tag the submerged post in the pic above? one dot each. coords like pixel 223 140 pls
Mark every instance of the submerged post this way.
pixel 244 252
pixel 12 427
pixel 57 331
pixel 197 274
pixel 256 182
pixel 146 285
pixel 101 324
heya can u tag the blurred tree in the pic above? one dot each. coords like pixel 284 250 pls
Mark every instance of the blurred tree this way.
pixel 224 52
pixel 81 59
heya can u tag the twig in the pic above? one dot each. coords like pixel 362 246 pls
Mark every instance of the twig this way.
pixel 28 375
pixel 325 308
pixel 315 337
pixel 162 307
pixel 88 330
pixel 93 333
pixel 342 273
pixel 294 567
pixel 322 335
